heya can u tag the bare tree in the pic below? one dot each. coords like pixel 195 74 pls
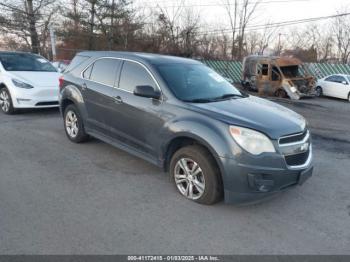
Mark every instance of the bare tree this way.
pixel 28 20
pixel 240 15
pixel 341 29
pixel 232 12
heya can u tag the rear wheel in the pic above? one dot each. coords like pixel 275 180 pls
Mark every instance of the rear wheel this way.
pixel 6 101
pixel 319 91
pixel 73 125
pixel 196 175
pixel 349 97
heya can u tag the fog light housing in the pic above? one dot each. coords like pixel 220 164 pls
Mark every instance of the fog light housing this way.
pixel 20 100
pixel 259 183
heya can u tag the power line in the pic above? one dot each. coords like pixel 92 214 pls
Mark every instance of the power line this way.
pixel 158 4
pixel 277 24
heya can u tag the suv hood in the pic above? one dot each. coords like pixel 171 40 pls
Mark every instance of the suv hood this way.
pixel 37 79
pixel 256 113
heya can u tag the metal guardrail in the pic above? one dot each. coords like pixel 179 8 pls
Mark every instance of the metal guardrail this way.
pixel 233 69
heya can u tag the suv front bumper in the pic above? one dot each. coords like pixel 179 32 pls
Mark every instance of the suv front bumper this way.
pixel 249 184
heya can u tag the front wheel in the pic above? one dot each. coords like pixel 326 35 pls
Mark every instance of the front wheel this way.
pixel 349 97
pixel 319 91
pixel 196 175
pixel 73 125
pixel 6 101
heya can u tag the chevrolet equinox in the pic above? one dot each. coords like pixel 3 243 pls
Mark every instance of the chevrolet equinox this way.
pixel 180 115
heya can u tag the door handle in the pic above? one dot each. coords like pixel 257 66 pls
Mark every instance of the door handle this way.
pixel 83 87
pixel 117 99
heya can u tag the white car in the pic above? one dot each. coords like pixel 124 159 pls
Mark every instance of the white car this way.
pixel 335 86
pixel 27 81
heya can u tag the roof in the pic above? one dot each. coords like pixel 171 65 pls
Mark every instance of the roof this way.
pixel 15 52
pixel 279 60
pixel 141 57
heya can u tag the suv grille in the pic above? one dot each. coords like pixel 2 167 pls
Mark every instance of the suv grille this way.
pixel 293 138
pixel 298 159
pixel 296 148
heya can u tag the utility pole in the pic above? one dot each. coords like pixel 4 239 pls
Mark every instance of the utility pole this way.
pixel 279 44
pixel 53 42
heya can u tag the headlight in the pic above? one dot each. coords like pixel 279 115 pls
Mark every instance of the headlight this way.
pixel 21 84
pixel 293 89
pixel 252 141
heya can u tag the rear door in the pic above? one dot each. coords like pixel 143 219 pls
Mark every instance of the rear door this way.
pixel 98 92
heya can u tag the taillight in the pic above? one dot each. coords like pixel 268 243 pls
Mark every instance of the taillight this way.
pixel 61 80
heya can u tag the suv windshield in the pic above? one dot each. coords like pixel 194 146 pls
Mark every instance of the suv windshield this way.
pixel 196 83
pixel 26 62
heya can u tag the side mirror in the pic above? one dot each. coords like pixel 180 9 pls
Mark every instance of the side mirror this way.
pixel 146 91
pixel 344 83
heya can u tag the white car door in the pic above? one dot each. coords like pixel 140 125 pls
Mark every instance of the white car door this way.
pixel 342 88
pixel 327 84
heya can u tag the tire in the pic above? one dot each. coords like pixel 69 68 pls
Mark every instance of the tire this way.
pixel 281 93
pixel 73 125
pixel 349 97
pixel 319 91
pixel 203 183
pixel 6 104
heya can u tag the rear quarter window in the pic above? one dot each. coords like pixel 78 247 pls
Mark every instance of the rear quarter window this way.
pixel 104 71
pixel 77 60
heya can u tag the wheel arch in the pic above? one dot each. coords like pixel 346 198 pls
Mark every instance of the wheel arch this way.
pixel 72 95
pixel 183 140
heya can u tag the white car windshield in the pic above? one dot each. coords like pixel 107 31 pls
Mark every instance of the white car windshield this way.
pixel 25 62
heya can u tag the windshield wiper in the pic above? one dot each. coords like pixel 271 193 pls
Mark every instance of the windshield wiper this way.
pixel 214 99
pixel 225 96
pixel 200 100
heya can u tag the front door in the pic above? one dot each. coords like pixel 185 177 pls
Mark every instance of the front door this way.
pixel 136 120
pixel 263 80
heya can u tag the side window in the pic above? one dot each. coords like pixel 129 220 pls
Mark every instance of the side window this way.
pixel 330 79
pixel 77 60
pixel 87 72
pixel 133 75
pixel 265 69
pixel 104 71
pixel 340 79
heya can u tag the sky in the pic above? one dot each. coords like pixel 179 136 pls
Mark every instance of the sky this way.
pixel 213 12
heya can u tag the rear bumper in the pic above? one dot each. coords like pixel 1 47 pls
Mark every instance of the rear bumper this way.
pixel 248 184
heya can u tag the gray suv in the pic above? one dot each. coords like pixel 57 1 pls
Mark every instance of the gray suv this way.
pixel 180 115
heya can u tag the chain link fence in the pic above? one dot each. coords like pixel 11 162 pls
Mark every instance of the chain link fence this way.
pixel 233 69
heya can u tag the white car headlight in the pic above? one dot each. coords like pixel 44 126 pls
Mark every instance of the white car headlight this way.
pixel 21 84
pixel 252 141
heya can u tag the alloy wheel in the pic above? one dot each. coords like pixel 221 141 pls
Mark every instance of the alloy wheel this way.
pixel 189 178
pixel 5 101
pixel 72 127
